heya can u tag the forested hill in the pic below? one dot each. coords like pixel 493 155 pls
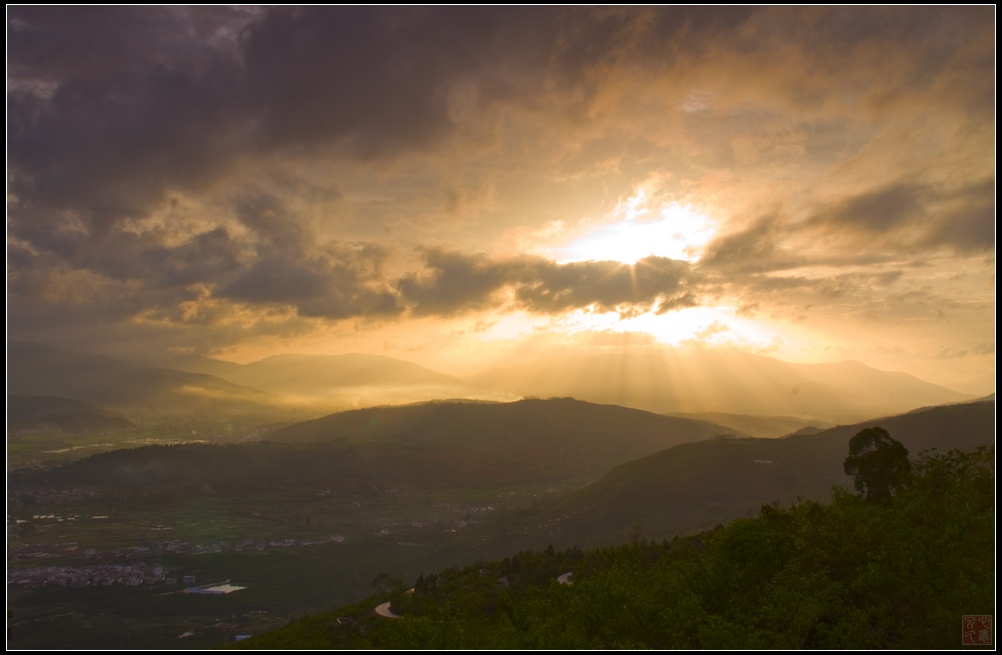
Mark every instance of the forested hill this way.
pixel 849 574
pixel 695 486
pixel 432 445
pixel 560 435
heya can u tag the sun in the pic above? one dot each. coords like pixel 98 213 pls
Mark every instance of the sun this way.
pixel 636 231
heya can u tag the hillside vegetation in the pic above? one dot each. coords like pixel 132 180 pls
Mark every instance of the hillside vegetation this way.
pixel 695 486
pixel 847 574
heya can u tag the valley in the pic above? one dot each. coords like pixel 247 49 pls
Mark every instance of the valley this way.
pixel 116 514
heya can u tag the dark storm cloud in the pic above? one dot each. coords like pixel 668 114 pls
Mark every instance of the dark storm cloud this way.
pixel 136 107
pixel 880 210
pixel 548 287
pixel 115 113
pixel 459 283
pixel 268 217
pixel 873 227
pixel 377 81
pixel 923 216
pixel 279 264
pixel 46 294
pixel 111 109
pixel 969 224
pixel 336 286
pixel 933 37
pixel 204 258
pixel 755 249
pixel 659 37
pixel 291 268
pixel 122 256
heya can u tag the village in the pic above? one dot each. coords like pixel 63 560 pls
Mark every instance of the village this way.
pixel 124 566
pixel 127 574
pixel 96 575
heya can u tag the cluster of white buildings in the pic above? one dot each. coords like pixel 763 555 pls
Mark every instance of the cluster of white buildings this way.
pixel 96 575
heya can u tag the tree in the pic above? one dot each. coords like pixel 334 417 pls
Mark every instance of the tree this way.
pixel 877 463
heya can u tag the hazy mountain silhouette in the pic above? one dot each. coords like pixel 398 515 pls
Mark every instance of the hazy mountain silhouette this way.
pixel 722 381
pixel 34 369
pixel 753 425
pixel 313 374
pixel 979 386
pixel 32 412
pixel 671 381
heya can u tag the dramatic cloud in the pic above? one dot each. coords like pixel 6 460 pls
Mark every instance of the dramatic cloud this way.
pixel 919 215
pixel 459 283
pixel 212 176
pixel 337 286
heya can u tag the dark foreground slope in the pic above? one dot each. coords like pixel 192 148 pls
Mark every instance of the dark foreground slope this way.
pixel 849 574
pixel 698 485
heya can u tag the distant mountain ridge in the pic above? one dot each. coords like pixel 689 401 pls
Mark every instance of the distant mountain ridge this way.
pixel 32 412
pixel 670 381
pixel 754 425
pixel 37 370
pixel 296 373
pixel 979 386
pixel 723 381
pixel 566 432
pixel 431 445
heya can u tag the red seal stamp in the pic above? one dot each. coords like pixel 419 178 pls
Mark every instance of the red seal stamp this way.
pixel 977 630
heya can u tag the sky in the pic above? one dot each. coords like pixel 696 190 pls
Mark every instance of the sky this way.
pixel 476 187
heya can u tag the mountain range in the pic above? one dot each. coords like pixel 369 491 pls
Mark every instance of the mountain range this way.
pixel 34 412
pixel 674 381
pixel 697 383
pixel 37 370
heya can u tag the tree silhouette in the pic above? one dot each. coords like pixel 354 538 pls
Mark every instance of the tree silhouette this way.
pixel 877 463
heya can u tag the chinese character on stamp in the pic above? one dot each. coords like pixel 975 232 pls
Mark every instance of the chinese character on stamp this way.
pixel 977 630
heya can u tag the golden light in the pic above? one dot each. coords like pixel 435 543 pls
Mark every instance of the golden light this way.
pixel 670 230
pixel 705 325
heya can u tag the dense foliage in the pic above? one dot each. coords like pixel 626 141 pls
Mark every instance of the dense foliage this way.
pixel 877 463
pixel 898 573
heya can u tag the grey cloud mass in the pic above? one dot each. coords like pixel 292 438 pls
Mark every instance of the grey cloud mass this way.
pixel 962 218
pixel 335 286
pixel 111 109
pixel 212 174
pixel 459 282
